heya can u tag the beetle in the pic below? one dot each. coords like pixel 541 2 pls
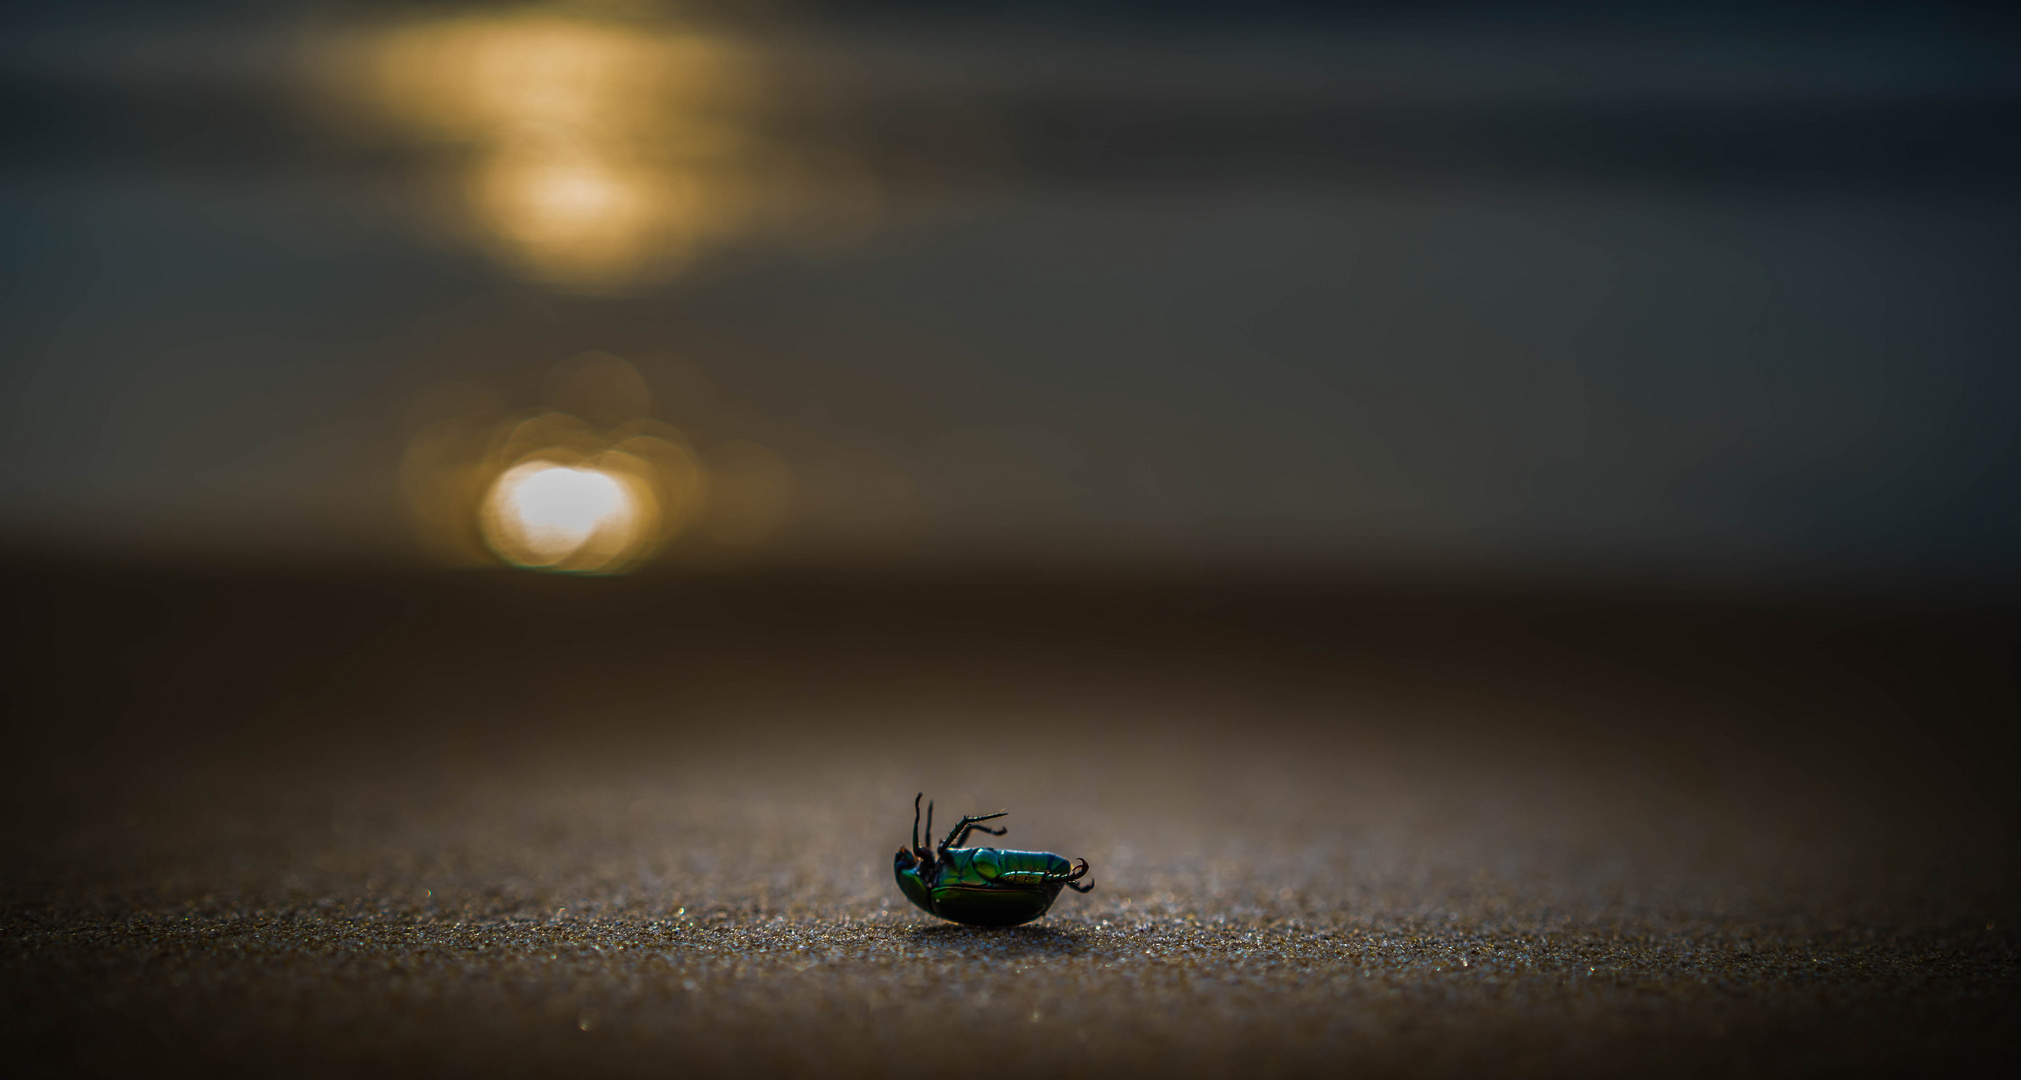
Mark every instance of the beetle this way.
pixel 981 886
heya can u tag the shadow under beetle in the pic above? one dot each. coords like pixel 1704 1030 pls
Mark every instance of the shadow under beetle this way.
pixel 981 886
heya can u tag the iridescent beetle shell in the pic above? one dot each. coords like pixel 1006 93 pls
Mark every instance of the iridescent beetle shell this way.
pixel 981 886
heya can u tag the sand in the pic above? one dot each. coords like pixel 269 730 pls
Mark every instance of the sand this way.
pixel 667 853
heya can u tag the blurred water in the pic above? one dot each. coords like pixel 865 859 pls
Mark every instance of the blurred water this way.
pixel 1705 294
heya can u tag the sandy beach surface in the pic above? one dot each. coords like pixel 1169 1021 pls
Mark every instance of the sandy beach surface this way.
pixel 524 827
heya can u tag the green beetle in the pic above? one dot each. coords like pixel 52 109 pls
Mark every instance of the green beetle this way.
pixel 981 886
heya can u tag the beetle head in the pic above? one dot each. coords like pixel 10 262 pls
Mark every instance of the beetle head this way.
pixel 913 861
pixel 917 856
pixel 912 873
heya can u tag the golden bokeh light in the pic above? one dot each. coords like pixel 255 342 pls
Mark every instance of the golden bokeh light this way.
pixel 472 76
pixel 601 490
pixel 599 154
pixel 583 220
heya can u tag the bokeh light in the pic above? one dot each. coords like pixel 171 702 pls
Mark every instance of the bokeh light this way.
pixel 541 514
pixel 587 483
pixel 596 154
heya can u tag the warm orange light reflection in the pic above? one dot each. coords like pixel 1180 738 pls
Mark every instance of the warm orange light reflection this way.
pixel 578 219
pixel 599 489
pixel 602 152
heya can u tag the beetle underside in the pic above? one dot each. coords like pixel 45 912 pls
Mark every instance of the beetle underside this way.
pixel 981 886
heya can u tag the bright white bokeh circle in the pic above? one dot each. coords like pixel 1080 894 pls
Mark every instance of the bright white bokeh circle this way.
pixel 543 512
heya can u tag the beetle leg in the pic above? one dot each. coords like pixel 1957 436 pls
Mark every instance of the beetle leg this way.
pixel 915 820
pixel 1080 872
pixel 962 837
pixel 960 830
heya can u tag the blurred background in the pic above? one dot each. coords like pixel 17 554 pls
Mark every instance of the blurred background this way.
pixel 1699 289
pixel 1573 430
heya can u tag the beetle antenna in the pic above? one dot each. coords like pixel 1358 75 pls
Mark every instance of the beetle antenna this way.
pixel 915 820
